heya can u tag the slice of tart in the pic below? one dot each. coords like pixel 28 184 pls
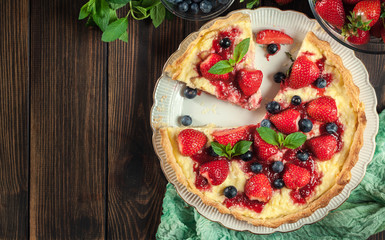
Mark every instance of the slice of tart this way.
pixel 292 163
pixel 218 43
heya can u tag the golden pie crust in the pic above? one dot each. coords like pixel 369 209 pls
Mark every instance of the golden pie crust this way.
pixel 342 178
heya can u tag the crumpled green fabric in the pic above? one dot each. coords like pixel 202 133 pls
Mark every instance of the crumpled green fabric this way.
pixel 361 216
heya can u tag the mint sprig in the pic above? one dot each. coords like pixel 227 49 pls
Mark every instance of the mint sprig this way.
pixel 229 152
pixel 291 141
pixel 226 66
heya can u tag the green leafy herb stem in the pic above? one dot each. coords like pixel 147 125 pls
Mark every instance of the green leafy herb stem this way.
pixel 229 152
pixel 291 141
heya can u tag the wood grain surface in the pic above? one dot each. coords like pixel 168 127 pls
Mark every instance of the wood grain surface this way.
pixel 76 155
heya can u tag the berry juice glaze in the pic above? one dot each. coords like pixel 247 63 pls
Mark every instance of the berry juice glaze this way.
pixel 242 200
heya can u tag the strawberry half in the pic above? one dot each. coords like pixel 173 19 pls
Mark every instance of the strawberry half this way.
pixel 323 109
pixel 264 151
pixel 258 188
pixel 331 11
pixel 323 147
pixel 273 36
pixel 249 81
pixel 303 73
pixel 190 141
pixel 286 121
pixel 295 177
pixel 215 171
pixel 210 61
pixel 231 136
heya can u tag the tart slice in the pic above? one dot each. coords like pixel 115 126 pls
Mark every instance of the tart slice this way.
pixel 219 42
pixel 292 163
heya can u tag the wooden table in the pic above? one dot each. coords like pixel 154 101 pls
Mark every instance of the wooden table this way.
pixel 76 157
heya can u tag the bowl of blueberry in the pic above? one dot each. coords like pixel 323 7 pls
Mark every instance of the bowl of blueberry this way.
pixel 197 10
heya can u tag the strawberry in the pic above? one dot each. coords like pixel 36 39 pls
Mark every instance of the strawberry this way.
pixel 303 73
pixel 215 171
pixel 323 109
pixel 190 141
pixel 269 36
pixel 264 151
pixel 210 61
pixel 258 188
pixel 231 136
pixel 376 29
pixel 368 12
pixel 283 2
pixel 249 81
pixel 323 147
pixel 286 121
pixel 361 37
pixel 351 1
pixel 331 11
pixel 295 177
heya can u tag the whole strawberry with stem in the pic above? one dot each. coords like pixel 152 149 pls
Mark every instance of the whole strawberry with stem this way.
pixel 360 37
pixel 331 11
pixel 365 14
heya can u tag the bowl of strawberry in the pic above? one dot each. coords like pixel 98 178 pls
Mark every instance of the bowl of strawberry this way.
pixel 356 24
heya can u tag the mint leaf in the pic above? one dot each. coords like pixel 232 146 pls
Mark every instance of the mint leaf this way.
pixel 115 30
pixel 84 11
pixel 294 140
pixel 268 135
pixel 280 139
pixel 118 1
pixel 241 50
pixel 219 148
pixel 241 147
pixel 252 3
pixel 141 11
pixel 157 14
pixel 221 67
pixel 124 37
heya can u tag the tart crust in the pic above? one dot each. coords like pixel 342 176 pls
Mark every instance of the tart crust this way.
pixel 343 177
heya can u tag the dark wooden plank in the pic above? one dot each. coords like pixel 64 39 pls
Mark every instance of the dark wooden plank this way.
pixel 14 117
pixel 136 184
pixel 68 124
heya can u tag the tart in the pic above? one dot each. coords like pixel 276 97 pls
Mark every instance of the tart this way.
pixel 268 180
pixel 214 44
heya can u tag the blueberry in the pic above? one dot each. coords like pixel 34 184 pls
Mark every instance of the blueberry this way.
pixel 272 48
pixel 273 107
pixel 206 6
pixel 230 192
pixel 197 1
pixel 296 100
pixel 178 1
pixel 188 1
pixel 194 8
pixel 331 128
pixel 183 7
pixel 225 42
pixel 305 125
pixel 277 166
pixel 256 167
pixel 247 156
pixel 278 183
pixel 302 155
pixel 320 83
pixel 212 153
pixel 190 93
pixel 266 123
pixel 186 120
pixel 223 1
pixel 279 77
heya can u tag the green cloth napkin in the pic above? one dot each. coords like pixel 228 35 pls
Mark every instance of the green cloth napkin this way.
pixel 361 216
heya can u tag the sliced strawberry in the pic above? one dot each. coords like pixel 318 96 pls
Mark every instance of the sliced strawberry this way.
pixel 190 141
pixel 264 151
pixel 249 80
pixel 331 11
pixel 231 136
pixel 303 73
pixel 323 109
pixel 323 147
pixel 215 171
pixel 273 36
pixel 359 38
pixel 210 61
pixel 258 188
pixel 286 121
pixel 295 177
pixel 369 11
